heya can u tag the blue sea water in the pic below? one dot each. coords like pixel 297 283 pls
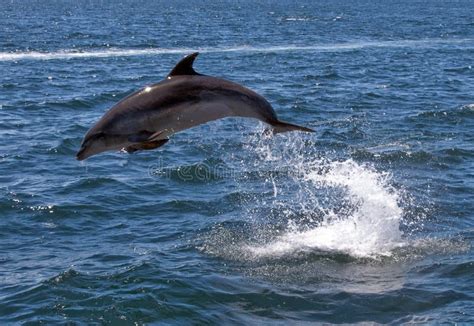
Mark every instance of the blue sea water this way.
pixel 369 219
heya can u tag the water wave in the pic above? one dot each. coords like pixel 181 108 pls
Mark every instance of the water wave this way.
pixel 118 52
pixel 457 112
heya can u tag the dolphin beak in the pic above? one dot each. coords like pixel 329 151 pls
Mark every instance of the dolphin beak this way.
pixel 98 142
pixel 81 154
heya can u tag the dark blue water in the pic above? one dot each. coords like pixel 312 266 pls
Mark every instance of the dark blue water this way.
pixel 370 219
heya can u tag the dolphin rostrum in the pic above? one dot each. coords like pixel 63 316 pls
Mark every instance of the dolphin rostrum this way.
pixel 145 119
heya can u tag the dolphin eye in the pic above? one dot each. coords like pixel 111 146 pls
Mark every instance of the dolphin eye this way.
pixel 95 137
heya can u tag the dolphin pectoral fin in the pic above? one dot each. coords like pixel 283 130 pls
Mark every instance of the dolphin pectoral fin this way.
pixel 140 136
pixel 146 146
pixel 156 135
pixel 144 136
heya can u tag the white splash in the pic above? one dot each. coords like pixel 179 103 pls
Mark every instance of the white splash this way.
pixel 370 230
pixel 335 47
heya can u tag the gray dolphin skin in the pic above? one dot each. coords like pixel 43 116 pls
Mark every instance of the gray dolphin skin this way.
pixel 145 119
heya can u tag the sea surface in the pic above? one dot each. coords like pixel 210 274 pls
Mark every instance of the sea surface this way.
pixel 368 220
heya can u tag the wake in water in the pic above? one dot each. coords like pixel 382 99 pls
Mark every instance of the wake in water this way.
pixel 118 52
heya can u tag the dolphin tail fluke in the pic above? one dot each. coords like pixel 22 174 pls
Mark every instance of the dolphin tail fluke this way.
pixel 280 126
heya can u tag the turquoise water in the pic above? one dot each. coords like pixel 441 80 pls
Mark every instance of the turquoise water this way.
pixel 370 219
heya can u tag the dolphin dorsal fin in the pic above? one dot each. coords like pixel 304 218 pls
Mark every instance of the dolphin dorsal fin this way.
pixel 185 66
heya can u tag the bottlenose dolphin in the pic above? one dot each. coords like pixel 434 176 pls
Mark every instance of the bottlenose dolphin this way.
pixel 145 119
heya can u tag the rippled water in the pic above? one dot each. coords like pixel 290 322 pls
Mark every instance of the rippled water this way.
pixel 370 219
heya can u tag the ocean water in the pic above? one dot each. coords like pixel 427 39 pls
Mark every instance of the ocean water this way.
pixel 369 219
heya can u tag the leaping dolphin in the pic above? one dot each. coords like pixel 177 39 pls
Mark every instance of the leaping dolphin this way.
pixel 145 119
